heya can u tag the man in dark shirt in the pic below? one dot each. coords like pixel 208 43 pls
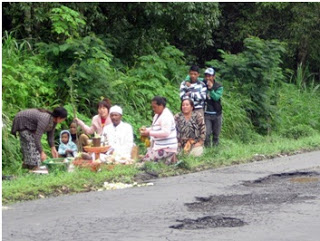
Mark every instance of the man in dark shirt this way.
pixel 213 108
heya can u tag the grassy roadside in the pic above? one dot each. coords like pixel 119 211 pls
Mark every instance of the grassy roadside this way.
pixel 32 186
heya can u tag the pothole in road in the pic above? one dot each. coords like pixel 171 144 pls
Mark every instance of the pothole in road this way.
pixel 208 222
pixel 214 202
pixel 294 177
pixel 262 195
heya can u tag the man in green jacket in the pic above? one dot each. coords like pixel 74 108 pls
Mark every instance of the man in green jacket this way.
pixel 213 108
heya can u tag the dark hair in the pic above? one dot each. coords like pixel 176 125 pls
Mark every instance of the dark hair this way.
pixel 60 112
pixel 57 112
pixel 194 68
pixel 160 100
pixel 64 132
pixel 190 101
pixel 105 103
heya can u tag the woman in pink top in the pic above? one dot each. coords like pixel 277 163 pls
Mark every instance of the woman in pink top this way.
pixel 162 133
pixel 97 123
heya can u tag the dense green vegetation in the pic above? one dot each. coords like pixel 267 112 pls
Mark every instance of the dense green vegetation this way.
pixel 266 55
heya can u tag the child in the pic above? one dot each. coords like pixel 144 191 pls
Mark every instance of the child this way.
pixel 73 132
pixel 67 148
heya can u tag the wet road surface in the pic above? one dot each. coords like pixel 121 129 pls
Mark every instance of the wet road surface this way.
pixel 277 199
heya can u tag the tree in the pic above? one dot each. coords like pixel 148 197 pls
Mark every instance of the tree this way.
pixel 297 24
pixel 255 73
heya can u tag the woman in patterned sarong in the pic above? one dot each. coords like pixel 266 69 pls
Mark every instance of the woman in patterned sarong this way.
pixel 31 125
pixel 162 133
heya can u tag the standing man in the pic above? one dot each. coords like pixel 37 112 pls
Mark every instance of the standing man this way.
pixel 195 90
pixel 213 109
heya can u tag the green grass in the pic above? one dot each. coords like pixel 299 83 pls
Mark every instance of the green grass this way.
pixel 32 186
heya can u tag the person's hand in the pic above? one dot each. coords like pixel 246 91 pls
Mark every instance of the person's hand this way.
pixel 188 84
pixel 144 132
pixel 54 152
pixel 209 84
pixel 76 120
pixel 43 156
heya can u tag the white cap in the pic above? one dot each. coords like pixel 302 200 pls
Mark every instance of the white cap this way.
pixel 116 109
pixel 209 71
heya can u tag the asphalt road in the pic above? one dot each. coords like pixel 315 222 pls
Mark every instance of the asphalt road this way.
pixel 277 199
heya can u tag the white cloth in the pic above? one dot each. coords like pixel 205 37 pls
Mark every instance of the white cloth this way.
pixel 120 138
pixel 116 109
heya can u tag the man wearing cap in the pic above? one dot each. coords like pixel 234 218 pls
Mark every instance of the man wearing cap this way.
pixel 118 134
pixel 195 89
pixel 213 108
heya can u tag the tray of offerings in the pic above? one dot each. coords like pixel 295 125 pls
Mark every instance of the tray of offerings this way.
pixel 96 149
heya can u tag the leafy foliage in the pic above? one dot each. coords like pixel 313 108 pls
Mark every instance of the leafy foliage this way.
pixel 85 61
pixel 298 107
pixel 296 24
pixel 153 75
pixel 255 73
pixel 31 77
pixel 296 132
pixel 66 21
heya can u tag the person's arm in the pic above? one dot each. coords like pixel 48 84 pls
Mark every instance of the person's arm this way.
pixel 216 95
pixel 87 129
pixel 50 135
pixel 62 149
pixel 183 89
pixel 165 127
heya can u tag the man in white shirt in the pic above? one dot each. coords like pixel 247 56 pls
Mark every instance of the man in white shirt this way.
pixel 118 134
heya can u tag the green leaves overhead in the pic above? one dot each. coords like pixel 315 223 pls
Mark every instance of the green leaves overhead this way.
pixel 66 21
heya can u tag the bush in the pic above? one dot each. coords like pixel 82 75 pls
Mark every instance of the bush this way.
pixel 11 154
pixel 27 79
pixel 255 74
pixel 297 107
pixel 295 132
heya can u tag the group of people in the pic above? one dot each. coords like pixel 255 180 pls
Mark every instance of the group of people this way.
pixel 188 131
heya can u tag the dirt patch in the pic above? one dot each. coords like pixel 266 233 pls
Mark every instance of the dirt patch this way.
pixel 208 222
pixel 145 176
pixel 304 179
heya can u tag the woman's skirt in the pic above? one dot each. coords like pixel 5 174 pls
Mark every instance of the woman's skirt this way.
pixel 31 156
pixel 157 155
